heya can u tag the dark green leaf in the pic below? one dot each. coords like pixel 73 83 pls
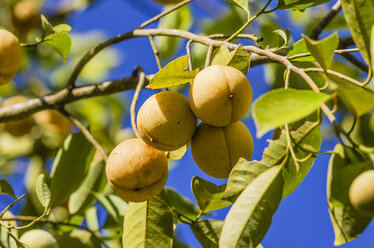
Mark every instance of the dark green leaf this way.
pixel 250 217
pixel 114 205
pixel 149 223
pixel 299 4
pixel 237 58
pixel 323 50
pixel 6 188
pixel 42 191
pixel 208 195
pixel 281 106
pixel 207 232
pixel 179 19
pixel 95 181
pixel 70 167
pixel 60 42
pixel 359 100
pixel 344 166
pixel 181 204
pixel 178 244
pixel 359 18
pixel 173 74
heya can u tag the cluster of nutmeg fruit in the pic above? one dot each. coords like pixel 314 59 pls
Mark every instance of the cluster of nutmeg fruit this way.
pixel 220 96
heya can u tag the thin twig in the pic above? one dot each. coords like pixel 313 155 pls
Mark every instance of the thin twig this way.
pixel 19 243
pixel 135 100
pixel 12 204
pixel 355 61
pixel 339 75
pixel 338 51
pixel 241 36
pixel 208 56
pixel 86 132
pixel 188 50
pixel 326 20
pixel 155 51
pixel 168 11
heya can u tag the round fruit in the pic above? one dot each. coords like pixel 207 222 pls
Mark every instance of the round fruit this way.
pixel 18 127
pixel 10 56
pixel 136 171
pixel 217 149
pixel 38 238
pixel 58 214
pixel 53 120
pixel 220 95
pixel 361 193
pixel 168 1
pixel 165 121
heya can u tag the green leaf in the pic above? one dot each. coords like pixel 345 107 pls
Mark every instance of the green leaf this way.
pixel 306 138
pixel 6 188
pixel 5 239
pixel 359 18
pixel 250 217
pixel 344 166
pixel 243 4
pixel 299 4
pixel 285 35
pixel 95 181
pixel 372 45
pixel 42 191
pixel 178 244
pixel 238 58
pixel 114 205
pixel 181 204
pixel 62 27
pixel 173 74
pixel 323 50
pixel 281 106
pixel 207 232
pixel 359 100
pixel 91 219
pixel 70 167
pixel 149 223
pixel 47 27
pixel 60 43
pixel 242 174
pixel 179 19
pixel 297 48
pixel 208 195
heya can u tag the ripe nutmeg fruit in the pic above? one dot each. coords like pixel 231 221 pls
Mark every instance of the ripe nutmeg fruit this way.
pixel 38 238
pixel 136 171
pixel 10 56
pixel 18 127
pixel 361 193
pixel 217 149
pixel 220 95
pixel 165 121
pixel 54 121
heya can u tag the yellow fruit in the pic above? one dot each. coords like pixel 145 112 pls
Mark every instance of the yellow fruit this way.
pixel 18 127
pixel 217 149
pixel 10 56
pixel 26 11
pixel 53 120
pixel 136 171
pixel 168 1
pixel 361 193
pixel 38 238
pixel 58 214
pixel 220 95
pixel 165 121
